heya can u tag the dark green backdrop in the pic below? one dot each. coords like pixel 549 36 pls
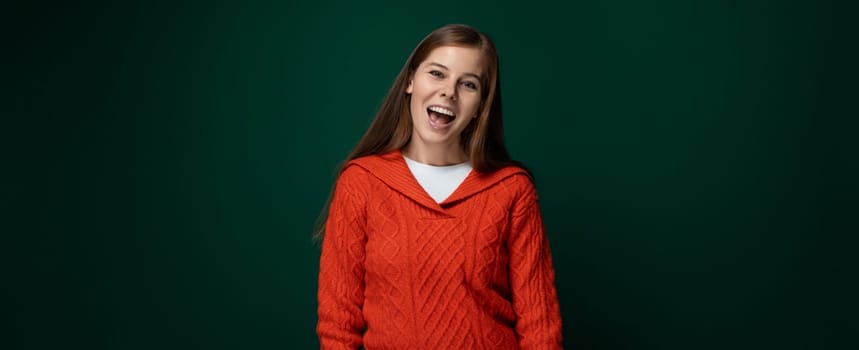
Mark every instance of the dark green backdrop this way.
pixel 164 162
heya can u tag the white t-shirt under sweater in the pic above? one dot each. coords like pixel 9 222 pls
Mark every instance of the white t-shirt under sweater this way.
pixel 439 181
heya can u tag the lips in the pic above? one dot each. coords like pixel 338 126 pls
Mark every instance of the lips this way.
pixel 440 117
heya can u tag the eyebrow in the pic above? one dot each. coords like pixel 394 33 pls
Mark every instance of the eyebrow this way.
pixel 445 67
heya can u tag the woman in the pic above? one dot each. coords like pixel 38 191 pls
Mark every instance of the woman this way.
pixel 433 237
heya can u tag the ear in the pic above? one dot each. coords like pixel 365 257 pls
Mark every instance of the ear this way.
pixel 410 88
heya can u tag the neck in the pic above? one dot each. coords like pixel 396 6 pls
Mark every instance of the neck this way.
pixel 439 155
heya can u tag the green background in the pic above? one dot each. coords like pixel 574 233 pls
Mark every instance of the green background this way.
pixel 164 163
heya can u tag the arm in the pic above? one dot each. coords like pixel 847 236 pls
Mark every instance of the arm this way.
pixel 532 278
pixel 341 266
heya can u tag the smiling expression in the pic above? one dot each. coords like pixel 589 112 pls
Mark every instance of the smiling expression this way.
pixel 445 95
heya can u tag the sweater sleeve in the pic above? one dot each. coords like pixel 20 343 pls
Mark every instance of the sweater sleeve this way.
pixel 341 266
pixel 532 277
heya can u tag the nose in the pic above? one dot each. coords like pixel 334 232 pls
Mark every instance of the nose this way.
pixel 449 91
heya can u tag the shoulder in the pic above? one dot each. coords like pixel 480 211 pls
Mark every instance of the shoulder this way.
pixel 518 185
pixel 514 179
pixel 365 170
pixel 352 174
pixel 510 184
pixel 353 182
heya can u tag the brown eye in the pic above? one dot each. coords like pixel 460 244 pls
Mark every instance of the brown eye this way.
pixel 470 85
pixel 437 74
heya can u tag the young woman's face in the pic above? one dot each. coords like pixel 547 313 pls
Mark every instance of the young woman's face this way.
pixel 446 94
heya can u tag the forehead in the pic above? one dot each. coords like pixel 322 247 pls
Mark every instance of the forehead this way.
pixel 457 58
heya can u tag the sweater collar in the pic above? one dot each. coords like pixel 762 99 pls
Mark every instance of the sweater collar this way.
pixel 391 168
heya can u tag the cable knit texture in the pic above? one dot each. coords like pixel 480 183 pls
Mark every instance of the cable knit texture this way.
pixel 400 271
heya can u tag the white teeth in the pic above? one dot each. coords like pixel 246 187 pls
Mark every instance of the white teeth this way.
pixel 442 110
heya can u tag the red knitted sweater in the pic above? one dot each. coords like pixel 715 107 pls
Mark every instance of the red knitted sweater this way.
pixel 400 271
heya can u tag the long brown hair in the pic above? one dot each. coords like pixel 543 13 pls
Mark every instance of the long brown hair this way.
pixel 482 140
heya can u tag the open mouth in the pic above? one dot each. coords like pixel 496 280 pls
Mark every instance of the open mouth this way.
pixel 440 117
